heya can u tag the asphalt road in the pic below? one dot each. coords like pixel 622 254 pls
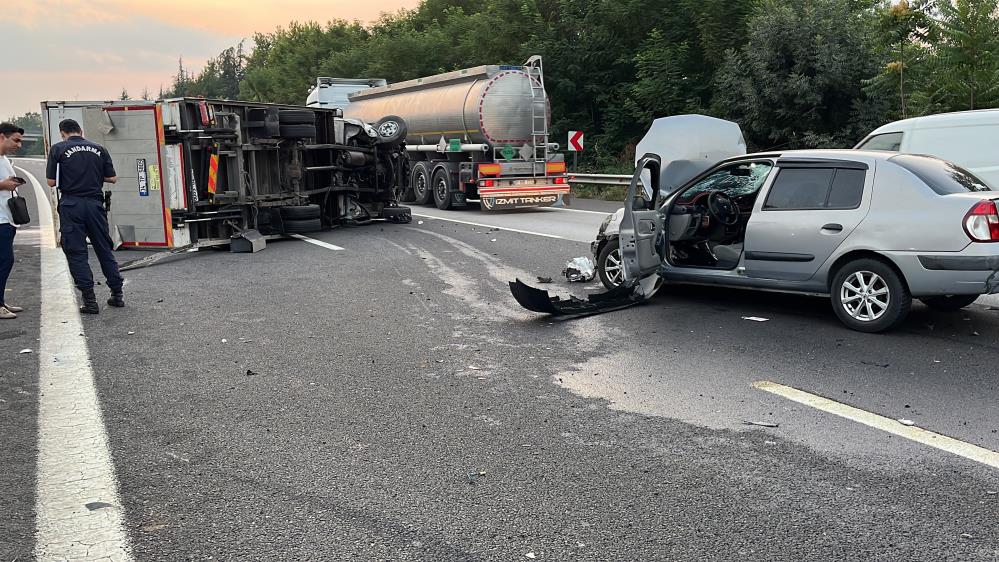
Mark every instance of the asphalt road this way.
pixel 391 401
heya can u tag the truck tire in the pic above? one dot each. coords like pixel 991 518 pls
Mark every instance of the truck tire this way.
pixel 301 212
pixel 302 226
pixel 298 131
pixel 442 187
pixel 391 129
pixel 297 117
pixel 419 182
pixel 399 215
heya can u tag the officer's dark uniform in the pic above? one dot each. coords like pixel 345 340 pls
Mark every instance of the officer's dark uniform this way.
pixel 82 167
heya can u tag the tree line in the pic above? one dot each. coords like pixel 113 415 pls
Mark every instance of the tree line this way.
pixel 792 73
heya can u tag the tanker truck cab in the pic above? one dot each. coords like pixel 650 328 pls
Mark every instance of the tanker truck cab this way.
pixel 476 135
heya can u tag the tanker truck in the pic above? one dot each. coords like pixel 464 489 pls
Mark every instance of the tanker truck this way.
pixel 477 135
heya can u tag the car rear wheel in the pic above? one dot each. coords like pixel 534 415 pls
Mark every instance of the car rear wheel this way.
pixel 949 303
pixel 610 266
pixel 869 296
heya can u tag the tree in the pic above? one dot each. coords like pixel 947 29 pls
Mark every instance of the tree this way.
pixel 124 95
pixel 905 32
pixel 31 122
pixel 797 81
pixel 966 59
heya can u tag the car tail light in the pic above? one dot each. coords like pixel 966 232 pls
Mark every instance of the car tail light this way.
pixel 487 183
pixel 982 222
pixel 560 180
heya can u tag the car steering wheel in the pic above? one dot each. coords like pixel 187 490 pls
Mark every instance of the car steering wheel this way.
pixel 722 208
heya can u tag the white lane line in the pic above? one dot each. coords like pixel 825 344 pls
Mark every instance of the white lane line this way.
pixel 491 226
pixel 78 513
pixel 917 434
pixel 319 243
pixel 605 213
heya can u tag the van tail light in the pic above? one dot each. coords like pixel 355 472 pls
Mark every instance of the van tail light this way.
pixel 561 180
pixel 982 222
pixel 487 183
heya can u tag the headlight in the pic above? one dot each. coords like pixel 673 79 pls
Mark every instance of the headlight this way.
pixel 603 225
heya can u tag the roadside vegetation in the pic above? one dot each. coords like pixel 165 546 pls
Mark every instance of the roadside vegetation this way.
pixel 792 73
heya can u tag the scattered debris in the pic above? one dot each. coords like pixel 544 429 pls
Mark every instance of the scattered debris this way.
pixel 906 422
pixel 882 365
pixel 474 476
pixel 544 279
pixel 579 269
pixel 419 222
pixel 474 368
pixel 131 333
pixel 991 492
pixel 756 318
pixel 23 351
pixel 761 424
pixel 94 506
pixel 967 536
pixel 250 373
pixel 530 555
pixel 493 240
pixel 225 340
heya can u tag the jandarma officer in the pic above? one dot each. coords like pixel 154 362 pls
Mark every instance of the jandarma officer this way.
pixel 80 169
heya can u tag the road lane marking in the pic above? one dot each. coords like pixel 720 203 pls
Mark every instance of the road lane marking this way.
pixel 917 434
pixel 78 513
pixel 319 243
pixel 491 226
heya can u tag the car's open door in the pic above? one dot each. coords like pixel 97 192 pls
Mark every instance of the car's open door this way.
pixel 642 230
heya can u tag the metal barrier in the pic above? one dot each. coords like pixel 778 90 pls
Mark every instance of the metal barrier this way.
pixel 600 179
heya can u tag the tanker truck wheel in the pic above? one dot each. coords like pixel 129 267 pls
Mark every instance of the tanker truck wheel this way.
pixel 419 183
pixel 391 129
pixel 442 188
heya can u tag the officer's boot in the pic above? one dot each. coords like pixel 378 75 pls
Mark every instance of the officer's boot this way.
pixel 89 303
pixel 117 299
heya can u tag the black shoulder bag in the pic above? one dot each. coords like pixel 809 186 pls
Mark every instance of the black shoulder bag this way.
pixel 18 209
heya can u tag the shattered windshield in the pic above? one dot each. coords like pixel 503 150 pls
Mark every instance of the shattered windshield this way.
pixel 735 180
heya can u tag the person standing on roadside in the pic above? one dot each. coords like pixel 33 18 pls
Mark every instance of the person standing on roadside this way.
pixel 10 142
pixel 80 168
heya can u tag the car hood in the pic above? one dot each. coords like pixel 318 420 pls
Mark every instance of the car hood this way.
pixel 689 145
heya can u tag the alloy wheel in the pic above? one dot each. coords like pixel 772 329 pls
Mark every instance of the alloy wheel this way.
pixel 865 296
pixel 612 267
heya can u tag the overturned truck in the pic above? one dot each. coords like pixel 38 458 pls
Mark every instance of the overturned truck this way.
pixel 197 172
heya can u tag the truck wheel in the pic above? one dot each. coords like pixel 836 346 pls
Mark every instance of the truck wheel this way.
pixel 301 212
pixel 391 129
pixel 302 226
pixel 298 131
pixel 868 296
pixel 297 117
pixel 949 303
pixel 419 182
pixel 442 188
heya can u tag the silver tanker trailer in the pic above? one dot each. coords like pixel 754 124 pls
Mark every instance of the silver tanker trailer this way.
pixel 474 135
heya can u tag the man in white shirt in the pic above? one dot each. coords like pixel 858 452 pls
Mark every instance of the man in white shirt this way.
pixel 10 142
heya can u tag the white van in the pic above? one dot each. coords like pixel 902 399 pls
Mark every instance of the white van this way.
pixel 970 139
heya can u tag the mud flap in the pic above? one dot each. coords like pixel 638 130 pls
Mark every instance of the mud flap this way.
pixel 537 300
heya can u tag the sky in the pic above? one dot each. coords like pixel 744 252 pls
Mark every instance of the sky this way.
pixel 92 49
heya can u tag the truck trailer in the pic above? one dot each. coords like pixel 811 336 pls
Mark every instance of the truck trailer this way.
pixel 201 172
pixel 473 135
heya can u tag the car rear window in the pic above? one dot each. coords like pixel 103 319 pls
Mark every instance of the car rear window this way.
pixel 885 141
pixel 941 176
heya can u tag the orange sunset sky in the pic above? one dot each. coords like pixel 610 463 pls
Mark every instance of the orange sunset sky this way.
pixel 91 49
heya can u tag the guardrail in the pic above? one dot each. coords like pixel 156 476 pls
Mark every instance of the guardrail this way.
pixel 600 179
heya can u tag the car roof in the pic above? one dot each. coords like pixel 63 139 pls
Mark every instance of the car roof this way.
pixel 971 117
pixel 826 153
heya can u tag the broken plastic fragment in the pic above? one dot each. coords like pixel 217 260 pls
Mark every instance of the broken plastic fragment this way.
pixel 579 269
pixel 544 279
pixel 530 555
pixel 537 300
pixel 93 506
pixel 904 421
pixel 762 424
pixel 756 318
pixel 23 351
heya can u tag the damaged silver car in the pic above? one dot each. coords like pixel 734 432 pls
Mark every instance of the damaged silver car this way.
pixel 871 230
